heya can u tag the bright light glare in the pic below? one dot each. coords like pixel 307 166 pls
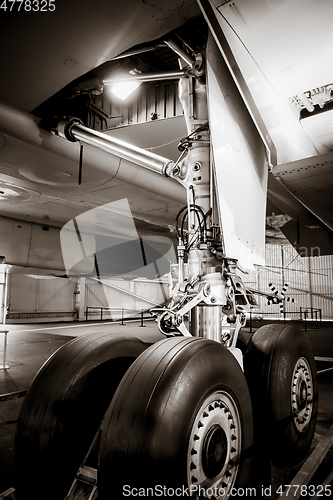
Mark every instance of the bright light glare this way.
pixel 124 89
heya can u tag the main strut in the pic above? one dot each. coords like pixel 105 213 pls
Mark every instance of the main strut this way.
pixel 203 301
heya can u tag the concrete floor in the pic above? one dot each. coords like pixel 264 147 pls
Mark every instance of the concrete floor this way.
pixel 29 346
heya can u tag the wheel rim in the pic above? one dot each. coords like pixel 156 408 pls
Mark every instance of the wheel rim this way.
pixel 302 394
pixel 214 447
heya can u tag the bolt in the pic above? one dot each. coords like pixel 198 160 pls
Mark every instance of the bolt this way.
pixel 200 424
pixel 193 451
pixel 194 479
pixel 195 437
pixel 205 415
pixel 193 466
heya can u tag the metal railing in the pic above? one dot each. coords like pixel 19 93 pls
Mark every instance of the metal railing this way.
pixel 309 315
pixel 313 313
pixel 116 314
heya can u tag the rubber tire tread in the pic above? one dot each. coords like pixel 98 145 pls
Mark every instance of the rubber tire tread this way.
pixel 147 427
pixel 269 363
pixel 64 407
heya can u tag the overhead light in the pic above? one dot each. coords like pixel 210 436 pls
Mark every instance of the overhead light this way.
pixel 124 89
pixel 123 86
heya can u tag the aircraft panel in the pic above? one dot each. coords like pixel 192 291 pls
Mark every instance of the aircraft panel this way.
pixel 240 165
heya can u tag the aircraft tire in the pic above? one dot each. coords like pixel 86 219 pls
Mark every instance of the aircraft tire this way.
pixel 280 370
pixel 181 419
pixel 63 408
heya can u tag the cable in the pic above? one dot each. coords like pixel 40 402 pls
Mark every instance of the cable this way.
pixel 177 218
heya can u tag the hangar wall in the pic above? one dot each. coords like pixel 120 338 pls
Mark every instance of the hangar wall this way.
pixel 310 280
pixel 152 102
pixel 41 299
pixel 130 296
pixel 32 299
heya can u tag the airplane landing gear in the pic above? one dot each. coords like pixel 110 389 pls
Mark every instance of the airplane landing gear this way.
pixel 180 413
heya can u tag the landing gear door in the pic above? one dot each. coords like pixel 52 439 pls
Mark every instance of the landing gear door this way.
pixel 240 165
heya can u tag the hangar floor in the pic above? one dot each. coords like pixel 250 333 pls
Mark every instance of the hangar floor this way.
pixel 28 346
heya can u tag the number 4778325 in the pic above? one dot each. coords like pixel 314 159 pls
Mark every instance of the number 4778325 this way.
pixel 304 490
pixel 28 5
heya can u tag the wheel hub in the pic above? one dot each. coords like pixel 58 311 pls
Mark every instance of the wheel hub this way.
pixel 214 452
pixel 215 446
pixel 302 394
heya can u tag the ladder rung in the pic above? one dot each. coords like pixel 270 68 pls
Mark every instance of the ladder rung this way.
pixel 87 474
